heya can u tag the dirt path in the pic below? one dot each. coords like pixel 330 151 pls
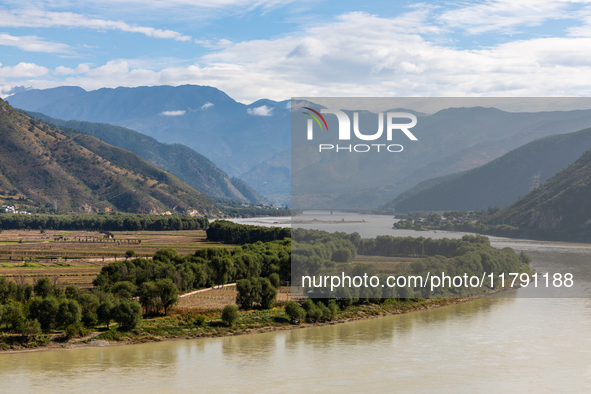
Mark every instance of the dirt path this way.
pixel 208 289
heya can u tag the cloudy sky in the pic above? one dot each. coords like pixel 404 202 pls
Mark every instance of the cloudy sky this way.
pixel 277 49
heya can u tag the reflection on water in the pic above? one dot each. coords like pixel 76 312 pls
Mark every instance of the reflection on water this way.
pixel 501 344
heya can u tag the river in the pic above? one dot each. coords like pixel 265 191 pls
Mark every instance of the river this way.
pixel 504 344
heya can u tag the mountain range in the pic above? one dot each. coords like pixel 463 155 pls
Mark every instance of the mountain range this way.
pixel 449 141
pixel 252 142
pixel 500 182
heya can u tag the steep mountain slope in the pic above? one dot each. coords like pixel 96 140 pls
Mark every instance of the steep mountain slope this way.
pixel 41 166
pixel 561 205
pixel 500 182
pixel 189 166
pixel 272 177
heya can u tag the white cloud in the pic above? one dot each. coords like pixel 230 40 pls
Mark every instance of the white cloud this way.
pixel 360 55
pixel 173 113
pixel 219 44
pixel 188 8
pixel 507 15
pixel 81 69
pixel 38 18
pixel 206 105
pixel 33 44
pixel 23 70
pixel 263 110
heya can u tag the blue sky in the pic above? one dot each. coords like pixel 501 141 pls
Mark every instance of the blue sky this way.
pixel 275 49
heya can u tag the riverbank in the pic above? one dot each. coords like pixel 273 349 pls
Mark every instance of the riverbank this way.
pixel 183 326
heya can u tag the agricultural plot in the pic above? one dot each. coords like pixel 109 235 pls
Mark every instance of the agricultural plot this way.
pixel 76 257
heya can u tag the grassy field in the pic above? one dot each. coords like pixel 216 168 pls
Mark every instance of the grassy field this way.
pixel 76 257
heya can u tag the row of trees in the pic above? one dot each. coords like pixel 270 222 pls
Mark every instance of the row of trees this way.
pixel 324 310
pixel 205 268
pixel 472 255
pixel 232 233
pixel 103 222
pixel 47 308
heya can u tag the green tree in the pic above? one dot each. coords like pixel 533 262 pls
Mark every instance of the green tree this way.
pixel 168 294
pixel 222 267
pixel 148 293
pixel 230 314
pixel 268 293
pixel 28 292
pixel 244 296
pixel 104 311
pixel 403 292
pixel 30 328
pixel 525 259
pixel 4 290
pixel 14 315
pixel 342 255
pixel 45 311
pixel 129 254
pixel 88 302
pixel 89 319
pixel 43 288
pixel 295 312
pixel 124 289
pixel 127 314
pixel 68 313
pixel 72 292
pixel 311 310
pixel 275 281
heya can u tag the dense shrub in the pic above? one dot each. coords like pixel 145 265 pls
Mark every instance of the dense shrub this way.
pixel 127 314
pixel 295 312
pixel 255 290
pixel 123 289
pixel 68 313
pixel 73 330
pixel 230 314
pixel 30 329
pixel 199 320
pixel 45 311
